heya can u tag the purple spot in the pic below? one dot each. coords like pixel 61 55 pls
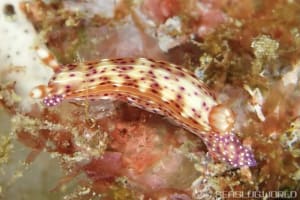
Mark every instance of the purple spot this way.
pixel 103 78
pixel 123 68
pixel 238 156
pixel 150 72
pixel 181 88
pixel 72 75
pixel 155 85
pixel 52 100
pixel 166 77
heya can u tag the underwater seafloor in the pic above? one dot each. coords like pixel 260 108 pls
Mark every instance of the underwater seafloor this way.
pixel 247 52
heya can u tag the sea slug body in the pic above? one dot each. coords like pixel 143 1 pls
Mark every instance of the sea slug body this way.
pixel 155 86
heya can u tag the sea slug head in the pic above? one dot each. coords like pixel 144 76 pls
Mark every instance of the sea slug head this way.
pixel 60 85
pixel 45 93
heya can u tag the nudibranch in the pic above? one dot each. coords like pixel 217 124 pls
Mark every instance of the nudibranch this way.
pixel 155 86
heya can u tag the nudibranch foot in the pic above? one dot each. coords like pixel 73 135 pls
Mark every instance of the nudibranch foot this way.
pixel 229 149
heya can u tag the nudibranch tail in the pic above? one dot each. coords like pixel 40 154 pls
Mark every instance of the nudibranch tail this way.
pixel 228 148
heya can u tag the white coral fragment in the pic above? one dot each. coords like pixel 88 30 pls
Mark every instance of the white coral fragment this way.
pixel 257 100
